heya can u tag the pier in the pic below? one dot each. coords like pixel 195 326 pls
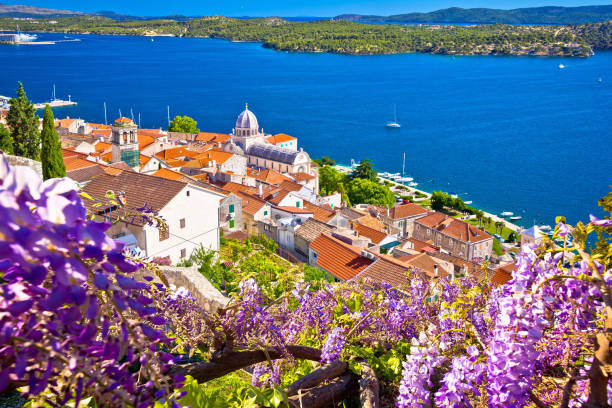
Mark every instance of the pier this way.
pixel 56 103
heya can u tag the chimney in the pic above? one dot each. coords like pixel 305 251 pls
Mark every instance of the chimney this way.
pixel 260 191
pixel 436 270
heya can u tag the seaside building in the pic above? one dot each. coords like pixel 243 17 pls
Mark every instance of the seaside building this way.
pixel 454 236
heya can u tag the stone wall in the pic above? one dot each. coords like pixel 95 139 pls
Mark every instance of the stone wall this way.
pixel 209 298
pixel 190 137
pixel 23 161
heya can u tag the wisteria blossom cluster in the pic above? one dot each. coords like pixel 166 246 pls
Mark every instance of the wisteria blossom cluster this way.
pixel 511 339
pixel 73 320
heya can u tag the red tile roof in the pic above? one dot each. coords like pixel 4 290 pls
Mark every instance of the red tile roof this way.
pixel 319 213
pixel 290 185
pixel 503 274
pixel 375 235
pixel 250 203
pixel 295 210
pixel 280 138
pixel 301 176
pixel 342 260
pixel 403 211
pixel 268 176
pixel 453 227
pixel 168 174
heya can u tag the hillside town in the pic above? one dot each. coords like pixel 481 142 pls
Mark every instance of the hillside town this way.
pixel 247 182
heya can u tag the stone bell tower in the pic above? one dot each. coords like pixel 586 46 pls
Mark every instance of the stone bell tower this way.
pixel 125 143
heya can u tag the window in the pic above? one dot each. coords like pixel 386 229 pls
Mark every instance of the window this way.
pixel 266 212
pixel 231 223
pixel 187 193
pixel 245 226
pixel 297 204
pixel 183 253
pixel 231 208
pixel 182 222
pixel 164 234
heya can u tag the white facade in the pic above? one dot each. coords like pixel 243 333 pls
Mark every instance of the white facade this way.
pixel 193 220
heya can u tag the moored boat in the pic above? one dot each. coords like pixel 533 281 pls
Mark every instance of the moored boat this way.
pixel 507 214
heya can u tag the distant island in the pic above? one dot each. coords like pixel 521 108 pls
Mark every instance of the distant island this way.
pixel 532 15
pixel 344 37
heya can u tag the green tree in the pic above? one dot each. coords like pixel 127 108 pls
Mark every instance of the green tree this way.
pixel 23 122
pixel 499 225
pixel 184 124
pixel 362 191
pixel 6 141
pixel 438 200
pixel 329 180
pixel 325 161
pixel 365 171
pixel 511 237
pixel 51 150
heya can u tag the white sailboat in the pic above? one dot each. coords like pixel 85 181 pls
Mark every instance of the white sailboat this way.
pixel 24 37
pixel 394 124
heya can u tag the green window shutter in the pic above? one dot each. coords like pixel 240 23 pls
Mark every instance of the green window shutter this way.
pixel 231 223
pixel 231 208
pixel 297 204
pixel 265 212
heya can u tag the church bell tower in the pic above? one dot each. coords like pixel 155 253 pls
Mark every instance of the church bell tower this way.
pixel 125 142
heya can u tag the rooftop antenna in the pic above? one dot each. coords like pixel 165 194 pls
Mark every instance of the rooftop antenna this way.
pixel 105 119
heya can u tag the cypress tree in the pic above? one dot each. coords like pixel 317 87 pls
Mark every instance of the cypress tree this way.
pixel 23 122
pixel 6 141
pixel 51 152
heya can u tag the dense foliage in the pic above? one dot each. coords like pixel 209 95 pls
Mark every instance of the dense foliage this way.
pixel 6 140
pixel 531 15
pixel 354 38
pixel 23 123
pixel 361 187
pixel 184 124
pixel 51 149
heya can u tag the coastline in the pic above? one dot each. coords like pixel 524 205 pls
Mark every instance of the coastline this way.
pixel 508 224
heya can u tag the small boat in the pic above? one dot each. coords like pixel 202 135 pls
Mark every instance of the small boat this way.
pixel 413 184
pixel 507 214
pixel 152 39
pixel 599 79
pixel 405 179
pixel 516 218
pixel 467 202
pixel 545 227
pixel 394 124
pixel 561 66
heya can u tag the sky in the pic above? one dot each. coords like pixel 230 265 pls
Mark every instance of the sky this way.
pixel 287 8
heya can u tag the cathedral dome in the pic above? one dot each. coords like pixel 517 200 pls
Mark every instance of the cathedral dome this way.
pixel 247 120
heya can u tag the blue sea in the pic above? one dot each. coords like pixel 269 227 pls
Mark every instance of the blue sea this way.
pixel 514 134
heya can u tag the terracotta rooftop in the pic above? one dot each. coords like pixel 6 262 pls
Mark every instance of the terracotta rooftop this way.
pixel 144 159
pixel 290 186
pixel 342 260
pixel 403 211
pixel 319 213
pixel 85 173
pixel 168 174
pixel 370 221
pixel 280 138
pixel 102 132
pixel 175 152
pixel 503 274
pixel 376 236
pixel 301 176
pixel 295 210
pixel 275 197
pixel 386 270
pixel 311 229
pixel 77 162
pixel 64 123
pixel 250 203
pixel 99 126
pixel 140 189
pixel 212 137
pixel 154 133
pixel 268 176
pixel 453 227
pixel 352 213
pixel 123 121
pixel 144 140
pixel 218 156
pixel 423 246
